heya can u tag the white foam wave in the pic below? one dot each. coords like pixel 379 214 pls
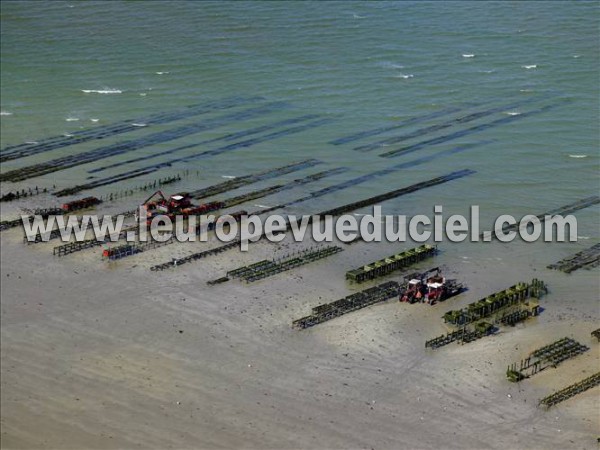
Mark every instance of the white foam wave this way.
pixel 94 120
pixel 468 55
pixel 228 176
pixel 530 66
pixel 262 206
pixel 576 56
pixel 31 142
pixel 404 76
pixel 72 119
pixel 578 156
pixel 162 73
pixel 5 113
pixel 67 135
pixel 525 90
pixel 512 113
pixel 356 16
pixel 102 91
pixel 486 71
pixel 583 237
pixel 143 94
pixel 139 124
pixel 391 65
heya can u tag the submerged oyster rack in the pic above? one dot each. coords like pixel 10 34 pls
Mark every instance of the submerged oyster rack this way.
pixel 380 130
pixel 254 195
pixel 195 256
pixel 463 335
pixel 548 356
pixel 563 210
pixel 72 247
pixel 23 193
pixel 214 189
pixel 225 137
pixel 130 249
pixel 266 268
pixel 571 391
pixel 441 126
pixel 221 187
pixel 119 148
pixel 465 132
pixel 359 300
pixel 586 259
pixel 209 153
pixel 392 194
pixel 43 212
pixel 244 180
pixel 104 131
pixel 6 224
pixel 120 194
pixel 390 264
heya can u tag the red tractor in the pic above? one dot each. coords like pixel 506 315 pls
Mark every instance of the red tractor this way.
pixel 181 203
pixel 158 204
pixel 429 287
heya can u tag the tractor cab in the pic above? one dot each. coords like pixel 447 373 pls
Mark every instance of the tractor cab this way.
pixel 414 291
pixel 179 201
pixel 428 287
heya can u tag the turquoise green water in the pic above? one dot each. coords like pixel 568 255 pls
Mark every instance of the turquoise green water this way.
pixel 363 64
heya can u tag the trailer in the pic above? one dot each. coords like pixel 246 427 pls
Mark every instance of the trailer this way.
pixel 82 203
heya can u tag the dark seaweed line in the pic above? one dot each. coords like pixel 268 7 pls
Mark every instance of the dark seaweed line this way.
pixel 119 148
pixel 196 256
pixel 362 179
pixel 429 158
pixel 250 142
pixel 441 126
pixel 563 210
pixel 379 173
pixel 367 177
pixel 211 190
pixel 575 206
pixel 102 182
pixel 227 137
pixel 398 192
pixel 110 130
pixel 156 167
pixel 253 178
pixel 154 118
pixel 404 123
pixel 282 187
pixel 587 258
pixel 23 150
pixel 465 132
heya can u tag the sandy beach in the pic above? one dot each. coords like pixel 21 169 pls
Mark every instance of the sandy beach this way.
pixel 111 355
